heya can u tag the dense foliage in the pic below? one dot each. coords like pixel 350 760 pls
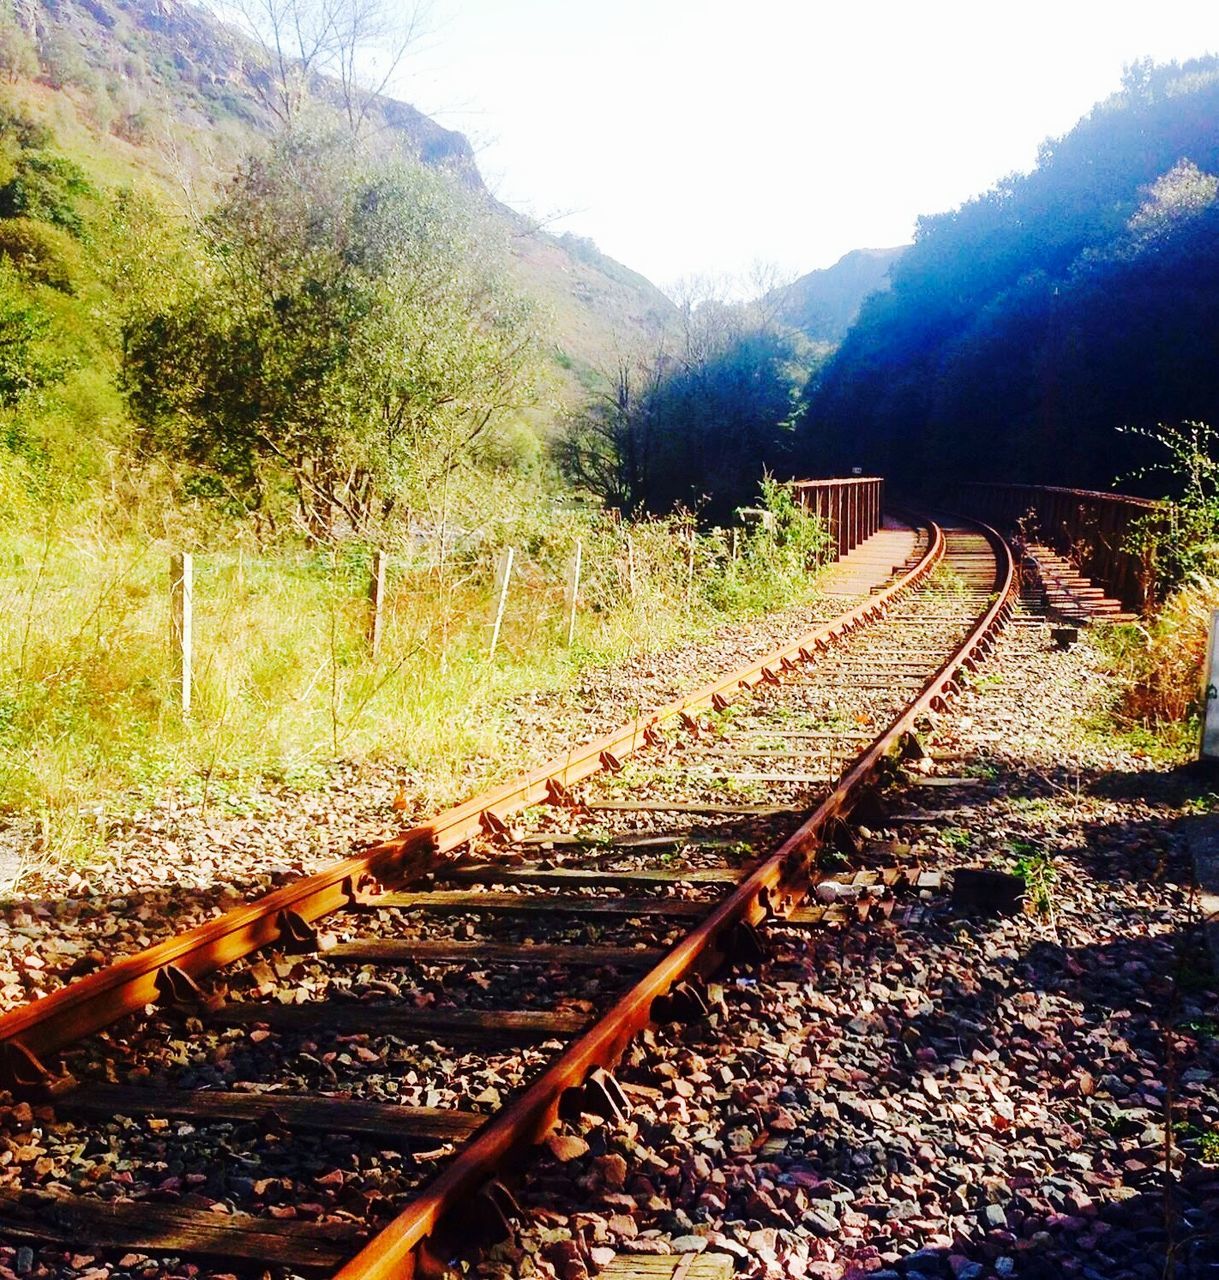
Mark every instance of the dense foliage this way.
pixel 349 330
pixel 1026 326
pixel 698 425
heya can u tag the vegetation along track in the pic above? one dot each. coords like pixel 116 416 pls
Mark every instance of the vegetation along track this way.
pixel 261 1092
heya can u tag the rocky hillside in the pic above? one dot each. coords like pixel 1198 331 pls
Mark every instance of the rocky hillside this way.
pixel 160 86
pixel 824 303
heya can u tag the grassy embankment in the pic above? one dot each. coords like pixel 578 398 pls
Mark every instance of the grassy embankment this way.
pixel 284 683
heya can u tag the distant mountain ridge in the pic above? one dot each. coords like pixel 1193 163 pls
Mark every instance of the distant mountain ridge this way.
pixel 158 76
pixel 824 303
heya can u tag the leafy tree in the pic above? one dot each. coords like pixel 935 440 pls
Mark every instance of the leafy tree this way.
pixel 606 446
pixel 701 422
pixel 351 331
pixel 27 362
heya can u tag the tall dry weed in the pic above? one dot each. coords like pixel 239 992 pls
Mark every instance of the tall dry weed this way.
pixel 1163 668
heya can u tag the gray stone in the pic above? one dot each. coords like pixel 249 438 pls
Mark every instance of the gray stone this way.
pixel 925 1263
pixel 993 1217
pixel 819 1223
pixel 688 1244
pixel 1202 837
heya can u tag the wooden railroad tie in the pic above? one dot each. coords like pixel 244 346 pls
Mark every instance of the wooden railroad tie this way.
pixel 684 806
pixel 581 877
pixel 61 1217
pixel 451 1026
pixel 388 1122
pixel 405 951
pixel 688 1266
pixel 451 901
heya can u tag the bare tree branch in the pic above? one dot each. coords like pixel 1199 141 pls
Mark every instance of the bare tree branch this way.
pixel 347 50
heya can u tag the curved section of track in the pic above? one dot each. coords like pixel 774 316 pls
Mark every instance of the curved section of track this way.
pixel 777 886
pixel 663 844
pixel 287 914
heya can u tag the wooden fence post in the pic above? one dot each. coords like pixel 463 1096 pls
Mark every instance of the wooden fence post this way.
pixel 376 600
pixel 181 623
pixel 630 565
pixel 689 564
pixel 573 591
pixel 502 574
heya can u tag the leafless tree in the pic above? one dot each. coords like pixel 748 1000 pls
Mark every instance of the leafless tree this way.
pixel 607 447
pixel 767 284
pixel 356 45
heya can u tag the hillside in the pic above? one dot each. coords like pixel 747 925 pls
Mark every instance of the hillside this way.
pixel 823 304
pixel 159 88
pixel 1023 330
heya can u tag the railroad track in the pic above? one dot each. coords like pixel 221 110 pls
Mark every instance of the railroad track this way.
pixel 332 1078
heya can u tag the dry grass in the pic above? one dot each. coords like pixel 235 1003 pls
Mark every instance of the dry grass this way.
pixel 1161 663
pixel 284 682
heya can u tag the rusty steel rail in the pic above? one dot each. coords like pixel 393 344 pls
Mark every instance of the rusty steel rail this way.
pixel 852 508
pixel 34 1031
pixel 1092 528
pixel 774 888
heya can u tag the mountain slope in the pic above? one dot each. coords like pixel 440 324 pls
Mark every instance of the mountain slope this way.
pixel 159 86
pixel 823 304
pixel 1024 330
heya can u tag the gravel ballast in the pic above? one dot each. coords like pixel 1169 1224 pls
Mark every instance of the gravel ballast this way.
pixel 938 1094
pixel 943 1094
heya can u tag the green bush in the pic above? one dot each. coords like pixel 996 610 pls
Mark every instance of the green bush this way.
pixel 21 128
pixel 45 186
pixel 26 362
pixel 41 254
pixel 1182 541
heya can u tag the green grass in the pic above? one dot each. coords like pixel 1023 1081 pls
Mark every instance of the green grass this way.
pixel 1031 806
pixel 1035 866
pixel 943 580
pixel 284 683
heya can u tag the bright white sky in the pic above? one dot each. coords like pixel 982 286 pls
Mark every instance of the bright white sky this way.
pixel 702 136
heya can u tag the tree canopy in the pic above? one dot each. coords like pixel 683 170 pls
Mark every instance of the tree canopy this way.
pixel 698 423
pixel 348 329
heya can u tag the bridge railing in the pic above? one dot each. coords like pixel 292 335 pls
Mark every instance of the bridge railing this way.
pixel 1094 529
pixel 852 507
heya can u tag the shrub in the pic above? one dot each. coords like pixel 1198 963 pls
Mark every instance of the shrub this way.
pixel 1185 541
pixel 1162 662
pixel 25 362
pixel 41 254
pixel 22 128
pixel 45 186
